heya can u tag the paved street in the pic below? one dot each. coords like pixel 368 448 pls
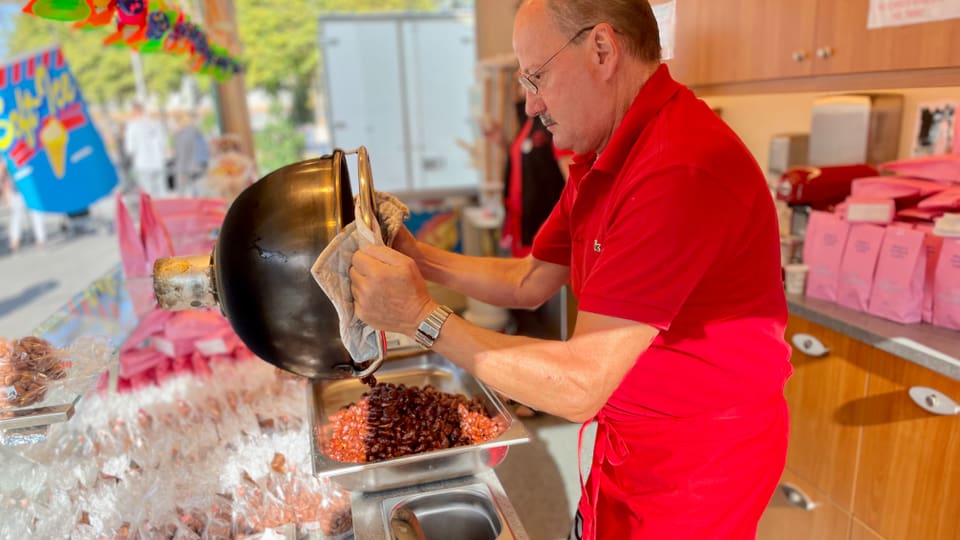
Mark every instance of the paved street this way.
pixel 36 281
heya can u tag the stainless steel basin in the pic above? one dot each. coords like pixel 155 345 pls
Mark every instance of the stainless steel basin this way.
pixel 327 396
pixel 464 513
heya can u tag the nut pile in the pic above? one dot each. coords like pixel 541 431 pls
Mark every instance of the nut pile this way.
pixel 27 366
pixel 395 420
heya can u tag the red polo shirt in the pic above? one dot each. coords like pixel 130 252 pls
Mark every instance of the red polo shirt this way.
pixel 673 226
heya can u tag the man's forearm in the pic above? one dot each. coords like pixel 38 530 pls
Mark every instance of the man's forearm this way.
pixel 495 280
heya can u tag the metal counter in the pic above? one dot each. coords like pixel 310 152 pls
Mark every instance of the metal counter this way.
pixel 932 347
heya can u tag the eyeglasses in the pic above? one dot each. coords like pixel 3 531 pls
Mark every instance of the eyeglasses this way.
pixel 527 81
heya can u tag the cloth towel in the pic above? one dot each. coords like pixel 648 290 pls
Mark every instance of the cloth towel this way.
pixel 332 272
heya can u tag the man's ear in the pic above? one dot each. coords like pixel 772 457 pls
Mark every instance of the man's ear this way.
pixel 606 47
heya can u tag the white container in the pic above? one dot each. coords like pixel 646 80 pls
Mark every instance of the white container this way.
pixel 788 249
pixel 795 278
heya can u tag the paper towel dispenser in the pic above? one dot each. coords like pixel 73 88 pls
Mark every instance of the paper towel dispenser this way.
pixel 855 128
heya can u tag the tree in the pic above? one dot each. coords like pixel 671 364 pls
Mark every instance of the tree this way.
pixel 280 41
pixel 280 49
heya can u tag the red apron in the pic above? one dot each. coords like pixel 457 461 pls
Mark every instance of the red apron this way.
pixel 704 477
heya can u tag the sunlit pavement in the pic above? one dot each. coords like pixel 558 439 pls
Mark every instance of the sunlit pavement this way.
pixel 36 280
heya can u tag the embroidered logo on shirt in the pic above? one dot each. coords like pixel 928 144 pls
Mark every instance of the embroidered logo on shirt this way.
pixel 596 246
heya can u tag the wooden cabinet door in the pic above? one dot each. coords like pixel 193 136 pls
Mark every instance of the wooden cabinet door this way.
pixel 786 519
pixel 908 485
pixel 859 531
pixel 842 27
pixel 683 65
pixel 746 40
pixel 824 430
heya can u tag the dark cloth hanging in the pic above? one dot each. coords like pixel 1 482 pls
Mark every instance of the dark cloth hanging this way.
pixel 533 184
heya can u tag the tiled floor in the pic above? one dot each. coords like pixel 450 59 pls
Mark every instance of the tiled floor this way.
pixel 541 477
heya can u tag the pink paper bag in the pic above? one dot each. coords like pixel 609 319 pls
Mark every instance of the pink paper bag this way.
pixel 823 247
pixel 897 292
pixel 946 285
pixel 858 264
pixel 933 244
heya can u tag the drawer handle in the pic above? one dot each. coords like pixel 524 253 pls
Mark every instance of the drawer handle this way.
pixel 933 401
pixel 809 345
pixel 796 497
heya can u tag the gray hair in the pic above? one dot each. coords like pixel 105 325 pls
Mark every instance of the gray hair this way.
pixel 633 19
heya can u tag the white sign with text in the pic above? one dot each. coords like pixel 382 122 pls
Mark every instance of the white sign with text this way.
pixel 885 13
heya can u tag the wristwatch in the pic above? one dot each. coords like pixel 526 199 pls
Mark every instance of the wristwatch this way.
pixel 429 329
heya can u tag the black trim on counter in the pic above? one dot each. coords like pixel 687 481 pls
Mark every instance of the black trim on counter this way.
pixel 932 347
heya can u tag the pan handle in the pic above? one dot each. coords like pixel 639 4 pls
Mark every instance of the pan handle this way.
pixel 367 199
pixel 367 208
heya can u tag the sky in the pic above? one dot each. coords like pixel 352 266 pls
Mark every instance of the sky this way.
pixel 8 15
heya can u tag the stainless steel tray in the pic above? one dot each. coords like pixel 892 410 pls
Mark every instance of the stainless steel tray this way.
pixel 327 397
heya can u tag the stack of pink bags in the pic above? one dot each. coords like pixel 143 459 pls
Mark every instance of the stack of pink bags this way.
pixel 892 248
pixel 167 343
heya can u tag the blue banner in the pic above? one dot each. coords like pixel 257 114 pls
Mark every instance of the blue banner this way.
pixel 50 145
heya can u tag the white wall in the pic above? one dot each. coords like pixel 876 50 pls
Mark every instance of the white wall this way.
pixel 757 117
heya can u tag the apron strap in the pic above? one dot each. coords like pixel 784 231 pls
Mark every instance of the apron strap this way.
pixel 609 447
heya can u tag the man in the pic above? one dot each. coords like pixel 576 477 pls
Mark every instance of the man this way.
pixel 668 235
pixel 11 196
pixel 190 155
pixel 145 141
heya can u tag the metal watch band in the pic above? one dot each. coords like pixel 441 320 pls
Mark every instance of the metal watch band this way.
pixel 429 329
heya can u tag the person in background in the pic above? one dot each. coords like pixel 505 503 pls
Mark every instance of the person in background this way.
pixel 535 174
pixel 13 199
pixel 190 155
pixel 145 141
pixel 668 235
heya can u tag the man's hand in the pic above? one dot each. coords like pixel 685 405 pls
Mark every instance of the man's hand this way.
pixel 406 243
pixel 389 293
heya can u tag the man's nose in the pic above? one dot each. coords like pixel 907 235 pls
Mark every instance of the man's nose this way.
pixel 534 105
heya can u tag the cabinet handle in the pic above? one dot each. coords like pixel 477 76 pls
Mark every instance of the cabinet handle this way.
pixel 799 56
pixel 824 52
pixel 796 497
pixel 809 345
pixel 933 401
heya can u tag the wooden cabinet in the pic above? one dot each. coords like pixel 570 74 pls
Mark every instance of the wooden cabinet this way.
pixel 859 531
pixel 728 42
pixel 865 461
pixel 847 46
pixel 787 519
pixel 746 40
pixel 684 64
pixel 908 485
pixel 824 434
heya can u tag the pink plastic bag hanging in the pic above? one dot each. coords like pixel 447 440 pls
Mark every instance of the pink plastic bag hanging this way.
pixel 156 239
pixel 858 265
pixel 897 292
pixel 823 248
pixel 132 255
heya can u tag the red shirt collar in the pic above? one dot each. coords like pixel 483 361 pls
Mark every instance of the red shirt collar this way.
pixel 654 94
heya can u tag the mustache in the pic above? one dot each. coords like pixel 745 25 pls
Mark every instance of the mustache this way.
pixel 546 119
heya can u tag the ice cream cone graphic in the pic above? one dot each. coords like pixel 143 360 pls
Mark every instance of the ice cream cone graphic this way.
pixel 53 137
